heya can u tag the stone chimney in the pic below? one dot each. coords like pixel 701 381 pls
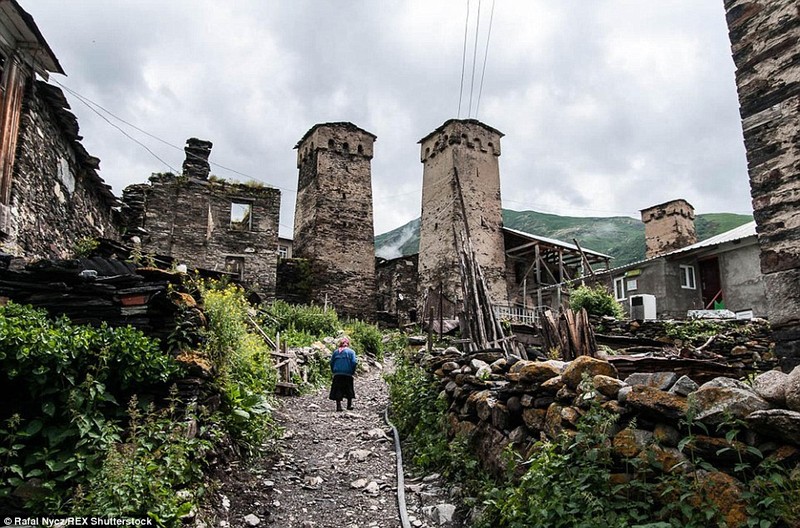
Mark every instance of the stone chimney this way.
pixel 668 226
pixel 196 163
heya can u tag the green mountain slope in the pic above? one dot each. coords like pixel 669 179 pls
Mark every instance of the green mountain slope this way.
pixel 619 236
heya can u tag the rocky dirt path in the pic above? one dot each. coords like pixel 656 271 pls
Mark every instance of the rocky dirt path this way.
pixel 333 470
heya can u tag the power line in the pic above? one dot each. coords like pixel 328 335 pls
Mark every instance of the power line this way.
pixel 474 57
pixel 485 55
pixel 463 62
pixel 104 118
pixel 85 100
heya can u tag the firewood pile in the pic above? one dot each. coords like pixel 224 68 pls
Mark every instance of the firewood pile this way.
pixel 568 334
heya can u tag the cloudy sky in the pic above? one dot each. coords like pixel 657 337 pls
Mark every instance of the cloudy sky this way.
pixel 607 106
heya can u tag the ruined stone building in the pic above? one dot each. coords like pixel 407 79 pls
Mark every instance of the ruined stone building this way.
pixel 764 38
pixel 461 198
pixel 51 195
pixel 206 222
pixel 333 225
pixel 396 281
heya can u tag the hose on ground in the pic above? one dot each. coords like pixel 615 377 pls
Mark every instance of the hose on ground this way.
pixel 401 486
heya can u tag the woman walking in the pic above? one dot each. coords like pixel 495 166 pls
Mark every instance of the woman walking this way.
pixel 343 366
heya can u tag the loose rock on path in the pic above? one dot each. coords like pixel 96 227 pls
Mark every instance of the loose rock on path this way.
pixel 333 470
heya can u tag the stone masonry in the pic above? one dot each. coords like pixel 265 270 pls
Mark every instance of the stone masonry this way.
pixel 668 226
pixel 765 38
pixel 57 196
pixel 208 223
pixel 464 151
pixel 333 226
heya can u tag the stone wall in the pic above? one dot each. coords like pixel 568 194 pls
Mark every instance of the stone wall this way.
pixel 496 403
pixel 333 222
pixel 57 197
pixel 764 38
pixel 192 220
pixel 668 226
pixel 397 298
pixel 294 281
pixel 468 151
pixel 744 344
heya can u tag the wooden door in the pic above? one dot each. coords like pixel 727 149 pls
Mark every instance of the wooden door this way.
pixel 710 283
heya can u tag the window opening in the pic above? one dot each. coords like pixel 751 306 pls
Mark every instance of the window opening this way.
pixel 688 278
pixel 235 265
pixel 619 288
pixel 241 216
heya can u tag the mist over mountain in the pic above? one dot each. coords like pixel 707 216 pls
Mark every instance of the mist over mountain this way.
pixel 621 237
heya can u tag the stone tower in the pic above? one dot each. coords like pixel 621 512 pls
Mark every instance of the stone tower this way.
pixel 668 226
pixel 333 225
pixel 461 187
pixel 764 35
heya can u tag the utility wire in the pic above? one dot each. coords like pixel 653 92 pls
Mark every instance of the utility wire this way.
pixel 104 118
pixel 474 57
pixel 85 100
pixel 485 55
pixel 463 62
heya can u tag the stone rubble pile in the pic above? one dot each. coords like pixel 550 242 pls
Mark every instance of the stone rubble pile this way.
pixel 745 344
pixel 498 402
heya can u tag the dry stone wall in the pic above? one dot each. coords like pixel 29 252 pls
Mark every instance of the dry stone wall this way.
pixel 764 38
pixel 497 402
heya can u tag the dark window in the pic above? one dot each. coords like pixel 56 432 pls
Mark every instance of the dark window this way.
pixel 235 265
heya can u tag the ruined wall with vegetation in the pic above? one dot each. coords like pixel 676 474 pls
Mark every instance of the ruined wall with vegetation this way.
pixel 212 224
pixel 764 38
pixel 333 223
pixel 57 197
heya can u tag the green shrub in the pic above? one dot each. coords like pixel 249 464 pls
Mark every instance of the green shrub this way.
pixel 155 473
pixel 60 385
pixel 365 339
pixel 692 330
pixel 314 320
pixel 247 376
pixel 596 301
pixel 84 247
pixel 419 415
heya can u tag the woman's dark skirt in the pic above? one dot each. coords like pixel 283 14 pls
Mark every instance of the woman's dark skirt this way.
pixel 342 388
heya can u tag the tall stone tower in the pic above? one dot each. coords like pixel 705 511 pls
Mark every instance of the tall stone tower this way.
pixel 461 193
pixel 764 35
pixel 668 226
pixel 333 225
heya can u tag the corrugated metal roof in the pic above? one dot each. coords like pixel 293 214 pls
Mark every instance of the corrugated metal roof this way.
pixel 737 233
pixel 554 242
